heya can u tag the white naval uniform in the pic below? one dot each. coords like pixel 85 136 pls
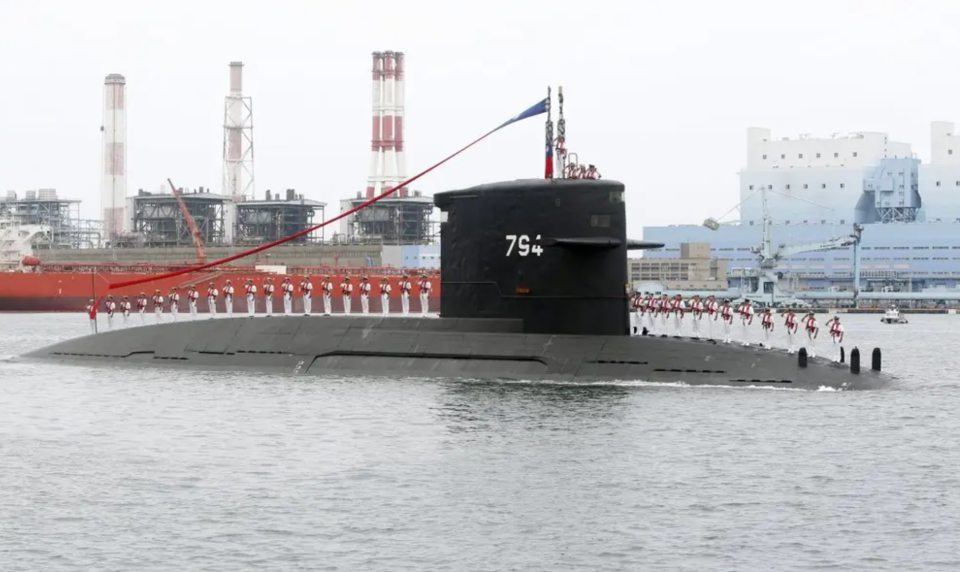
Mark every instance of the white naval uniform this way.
pixel 93 321
pixel 307 288
pixel 327 297
pixel 425 288
pixel 174 305
pixel 696 307
pixel 405 296
pixel 158 307
pixel 287 288
pixel 766 324
pixel 228 299
pixel 812 329
pixel 677 308
pixel 746 318
pixel 365 297
pixel 726 315
pixel 385 298
pixel 648 310
pixel 790 324
pixel 111 308
pixel 711 309
pixel 836 334
pixel 268 298
pixel 346 289
pixel 664 309
pixel 142 310
pixel 125 308
pixel 251 299
pixel 192 298
pixel 212 302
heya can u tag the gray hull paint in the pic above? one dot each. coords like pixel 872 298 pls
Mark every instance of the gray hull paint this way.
pixel 457 348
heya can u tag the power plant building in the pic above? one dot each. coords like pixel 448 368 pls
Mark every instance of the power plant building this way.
pixel 817 188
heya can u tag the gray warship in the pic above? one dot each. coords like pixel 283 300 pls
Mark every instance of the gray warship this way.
pixel 534 287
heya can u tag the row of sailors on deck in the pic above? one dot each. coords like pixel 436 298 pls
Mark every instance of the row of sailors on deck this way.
pixel 653 316
pixel 172 302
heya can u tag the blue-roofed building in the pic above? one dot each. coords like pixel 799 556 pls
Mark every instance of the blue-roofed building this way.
pixel 817 188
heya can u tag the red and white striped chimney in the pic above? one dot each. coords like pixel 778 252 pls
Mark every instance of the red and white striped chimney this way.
pixel 375 139
pixel 389 149
pixel 398 122
pixel 113 183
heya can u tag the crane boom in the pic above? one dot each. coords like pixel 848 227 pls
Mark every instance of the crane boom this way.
pixel 194 231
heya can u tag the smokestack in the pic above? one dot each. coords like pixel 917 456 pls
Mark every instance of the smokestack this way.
pixel 389 153
pixel 113 186
pixel 398 122
pixel 237 139
pixel 375 144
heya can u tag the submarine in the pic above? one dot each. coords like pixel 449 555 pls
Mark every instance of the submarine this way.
pixel 534 288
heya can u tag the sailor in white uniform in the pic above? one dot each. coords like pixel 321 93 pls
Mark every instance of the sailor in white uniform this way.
pixel 812 329
pixel 746 320
pixel 711 309
pixel 251 289
pixel 158 305
pixel 635 302
pixel 228 292
pixel 678 308
pixel 766 323
pixel 790 324
pixel 111 307
pixel 385 296
pixel 327 287
pixel 405 288
pixel 726 316
pixel 649 310
pixel 192 298
pixel 287 287
pixel 836 334
pixel 696 308
pixel 306 290
pixel 212 294
pixel 142 308
pixel 174 303
pixel 346 290
pixel 125 310
pixel 425 287
pixel 90 316
pixel 268 295
pixel 365 288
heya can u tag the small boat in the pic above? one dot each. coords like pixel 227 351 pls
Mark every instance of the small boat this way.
pixel 893 316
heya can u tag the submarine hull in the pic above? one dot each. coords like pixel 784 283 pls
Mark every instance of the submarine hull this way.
pixel 450 348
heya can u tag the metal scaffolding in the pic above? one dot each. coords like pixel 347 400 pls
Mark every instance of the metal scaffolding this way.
pixel 264 221
pixel 62 217
pixel 403 220
pixel 158 221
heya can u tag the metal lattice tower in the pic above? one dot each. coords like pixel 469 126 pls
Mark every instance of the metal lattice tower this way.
pixel 238 139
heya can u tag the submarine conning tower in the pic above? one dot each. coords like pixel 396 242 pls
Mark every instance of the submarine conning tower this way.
pixel 552 252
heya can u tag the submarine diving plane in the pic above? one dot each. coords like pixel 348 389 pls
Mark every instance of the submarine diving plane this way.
pixel 534 287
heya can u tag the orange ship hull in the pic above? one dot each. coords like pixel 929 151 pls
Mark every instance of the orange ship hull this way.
pixel 69 289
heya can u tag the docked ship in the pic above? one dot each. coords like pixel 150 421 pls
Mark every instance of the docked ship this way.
pixel 817 189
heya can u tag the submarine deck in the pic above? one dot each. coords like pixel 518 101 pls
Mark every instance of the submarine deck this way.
pixel 448 347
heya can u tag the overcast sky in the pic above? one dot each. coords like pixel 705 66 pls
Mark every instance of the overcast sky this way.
pixel 658 94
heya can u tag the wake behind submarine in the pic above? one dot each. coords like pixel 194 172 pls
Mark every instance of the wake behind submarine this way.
pixel 534 277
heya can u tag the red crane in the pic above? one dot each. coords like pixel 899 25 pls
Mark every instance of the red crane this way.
pixel 197 240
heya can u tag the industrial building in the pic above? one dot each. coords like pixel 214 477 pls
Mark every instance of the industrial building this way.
pixel 817 188
pixel 694 269
pixel 59 217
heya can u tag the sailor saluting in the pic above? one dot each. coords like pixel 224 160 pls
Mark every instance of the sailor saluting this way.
pixel 746 320
pixel 836 334
pixel 766 322
pixel 790 325
pixel 142 308
pixel 810 325
pixel 125 308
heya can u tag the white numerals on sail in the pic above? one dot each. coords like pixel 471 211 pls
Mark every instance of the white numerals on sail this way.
pixel 522 245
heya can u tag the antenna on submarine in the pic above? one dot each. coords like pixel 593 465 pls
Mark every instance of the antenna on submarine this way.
pixel 548 165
